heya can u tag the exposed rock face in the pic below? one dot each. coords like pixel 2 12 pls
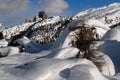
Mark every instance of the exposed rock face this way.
pixel 42 15
pixel 1 35
pixel 36 19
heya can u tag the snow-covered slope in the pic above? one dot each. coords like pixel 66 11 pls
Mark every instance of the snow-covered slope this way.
pixel 10 32
pixel 108 15
pixel 46 30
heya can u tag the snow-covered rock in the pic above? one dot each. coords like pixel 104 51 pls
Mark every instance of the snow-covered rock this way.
pixel 10 32
pixel 28 44
pixel 3 43
pixel 6 51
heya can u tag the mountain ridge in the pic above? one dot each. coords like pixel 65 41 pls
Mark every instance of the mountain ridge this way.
pixel 108 15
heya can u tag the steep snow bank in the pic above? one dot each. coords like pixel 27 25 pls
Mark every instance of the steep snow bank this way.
pixel 113 34
pixel 111 45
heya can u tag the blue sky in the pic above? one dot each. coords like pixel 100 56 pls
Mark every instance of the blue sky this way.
pixel 79 5
pixel 15 12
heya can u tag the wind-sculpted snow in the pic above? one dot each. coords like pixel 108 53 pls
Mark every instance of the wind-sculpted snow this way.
pixel 113 34
pixel 53 69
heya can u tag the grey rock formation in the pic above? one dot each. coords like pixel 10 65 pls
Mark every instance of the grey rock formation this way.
pixel 42 15
pixel 28 20
pixel 36 19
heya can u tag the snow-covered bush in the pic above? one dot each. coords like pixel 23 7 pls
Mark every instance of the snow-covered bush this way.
pixel 83 39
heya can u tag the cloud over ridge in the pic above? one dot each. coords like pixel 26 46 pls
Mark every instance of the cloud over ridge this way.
pixel 53 6
pixel 14 11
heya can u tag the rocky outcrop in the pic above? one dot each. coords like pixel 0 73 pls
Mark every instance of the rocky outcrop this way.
pixel 1 35
pixel 28 20
pixel 36 19
pixel 42 15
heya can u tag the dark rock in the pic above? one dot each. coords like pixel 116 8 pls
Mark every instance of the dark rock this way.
pixel 1 35
pixel 2 27
pixel 42 15
pixel 28 20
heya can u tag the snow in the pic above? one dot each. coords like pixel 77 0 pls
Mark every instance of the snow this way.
pixel 5 51
pixel 8 33
pixel 57 60
pixel 111 11
pixel 112 35
pixel 48 69
pixel 101 28
pixel 29 45
pixel 108 69
pixel 3 43
pixel 85 72
pixel 61 42
pixel 64 53
pixel 111 45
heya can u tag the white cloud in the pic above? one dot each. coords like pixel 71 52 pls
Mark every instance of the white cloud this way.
pixel 53 6
pixel 10 6
pixel 12 11
pixel 15 11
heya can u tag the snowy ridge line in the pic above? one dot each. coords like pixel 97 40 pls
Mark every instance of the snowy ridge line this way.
pixel 16 30
pixel 111 12
pixel 10 32
pixel 113 26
